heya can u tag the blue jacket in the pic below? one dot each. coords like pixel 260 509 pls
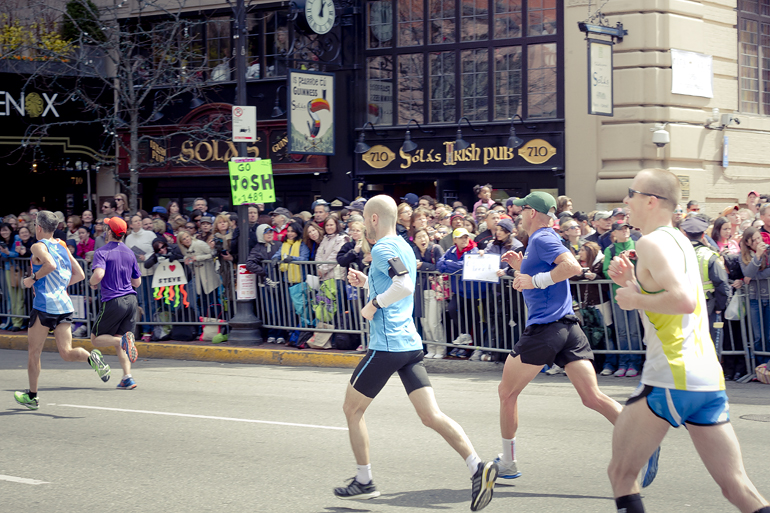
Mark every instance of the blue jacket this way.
pixel 6 259
pixel 452 265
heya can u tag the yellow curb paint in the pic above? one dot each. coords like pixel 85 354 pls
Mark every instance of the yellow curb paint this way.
pixel 224 354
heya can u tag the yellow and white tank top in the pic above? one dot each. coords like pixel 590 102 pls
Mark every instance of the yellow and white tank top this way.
pixel 680 352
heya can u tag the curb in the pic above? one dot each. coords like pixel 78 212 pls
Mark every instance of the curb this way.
pixel 222 354
pixel 253 355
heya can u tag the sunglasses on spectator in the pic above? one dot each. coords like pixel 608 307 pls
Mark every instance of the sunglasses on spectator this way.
pixel 696 209
pixel 631 193
pixel 679 211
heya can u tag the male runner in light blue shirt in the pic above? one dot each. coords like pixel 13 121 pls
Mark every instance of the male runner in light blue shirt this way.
pixel 395 346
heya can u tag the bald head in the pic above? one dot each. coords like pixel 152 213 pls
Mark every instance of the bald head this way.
pixel 384 207
pixel 380 214
pixel 663 184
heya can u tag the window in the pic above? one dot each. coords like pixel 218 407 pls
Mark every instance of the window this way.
pixel 754 56
pixel 439 60
pixel 219 48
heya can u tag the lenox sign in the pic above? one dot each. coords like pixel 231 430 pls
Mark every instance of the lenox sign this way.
pixel 33 104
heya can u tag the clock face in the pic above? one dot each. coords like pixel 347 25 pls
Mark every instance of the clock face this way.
pixel 320 15
pixel 381 20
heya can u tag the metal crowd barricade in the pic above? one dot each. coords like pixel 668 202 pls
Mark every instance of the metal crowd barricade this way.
pixel 492 314
pixel 303 302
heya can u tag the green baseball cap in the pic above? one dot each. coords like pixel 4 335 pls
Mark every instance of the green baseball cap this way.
pixel 540 201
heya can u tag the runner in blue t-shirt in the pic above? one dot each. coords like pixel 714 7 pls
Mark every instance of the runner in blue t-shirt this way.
pixel 395 346
pixel 115 269
pixel 53 270
pixel 552 334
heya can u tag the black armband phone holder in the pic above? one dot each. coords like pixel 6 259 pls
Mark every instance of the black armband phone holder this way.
pixel 397 267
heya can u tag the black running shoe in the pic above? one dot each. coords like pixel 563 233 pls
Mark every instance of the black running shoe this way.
pixel 483 485
pixel 356 490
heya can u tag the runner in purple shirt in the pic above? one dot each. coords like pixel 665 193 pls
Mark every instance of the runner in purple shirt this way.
pixel 116 269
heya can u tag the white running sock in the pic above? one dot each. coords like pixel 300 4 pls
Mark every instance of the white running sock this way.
pixel 509 450
pixel 473 463
pixel 364 475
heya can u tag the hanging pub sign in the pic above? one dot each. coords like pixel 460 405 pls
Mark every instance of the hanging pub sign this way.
pixel 600 91
pixel 311 113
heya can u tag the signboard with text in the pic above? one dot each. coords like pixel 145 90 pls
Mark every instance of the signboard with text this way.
pixel 544 152
pixel 251 181
pixel 244 123
pixel 692 73
pixel 600 92
pixel 168 273
pixel 310 115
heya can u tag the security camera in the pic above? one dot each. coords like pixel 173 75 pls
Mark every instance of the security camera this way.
pixel 660 136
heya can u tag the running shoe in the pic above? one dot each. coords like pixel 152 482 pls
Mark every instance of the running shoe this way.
pixel 280 340
pixel 476 355
pixel 271 340
pixel 620 373
pixel 127 383
pixel 127 345
pixel 99 365
pixel 24 399
pixel 430 356
pixel 650 470
pixel 506 471
pixel 632 373
pixel 554 370
pixel 356 490
pixel 483 485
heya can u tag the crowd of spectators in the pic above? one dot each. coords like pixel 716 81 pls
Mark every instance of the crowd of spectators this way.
pixel 440 234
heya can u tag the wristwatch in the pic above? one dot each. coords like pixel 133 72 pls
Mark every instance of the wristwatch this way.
pixel 376 304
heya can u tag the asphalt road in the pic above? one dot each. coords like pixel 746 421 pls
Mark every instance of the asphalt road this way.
pixel 198 437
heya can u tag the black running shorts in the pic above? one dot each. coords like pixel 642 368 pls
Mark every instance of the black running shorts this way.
pixel 373 372
pixel 559 342
pixel 50 321
pixel 118 316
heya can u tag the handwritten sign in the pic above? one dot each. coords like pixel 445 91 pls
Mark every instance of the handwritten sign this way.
pixel 251 181
pixel 168 274
pixel 481 268
pixel 246 286
pixel 692 73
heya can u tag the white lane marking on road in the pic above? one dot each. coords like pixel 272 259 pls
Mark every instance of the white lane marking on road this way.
pixel 231 419
pixel 22 480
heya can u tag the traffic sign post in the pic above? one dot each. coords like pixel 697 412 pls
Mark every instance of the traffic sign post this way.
pixel 244 325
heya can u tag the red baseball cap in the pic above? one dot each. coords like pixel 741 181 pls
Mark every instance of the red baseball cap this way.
pixel 755 193
pixel 117 225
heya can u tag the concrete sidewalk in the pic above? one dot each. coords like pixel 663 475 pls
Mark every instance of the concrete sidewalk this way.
pixel 265 354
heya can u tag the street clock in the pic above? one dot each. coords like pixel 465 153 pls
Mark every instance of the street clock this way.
pixel 319 14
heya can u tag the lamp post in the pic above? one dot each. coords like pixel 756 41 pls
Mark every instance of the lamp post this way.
pixel 244 326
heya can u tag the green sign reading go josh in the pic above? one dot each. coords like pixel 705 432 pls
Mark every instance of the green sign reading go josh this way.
pixel 251 181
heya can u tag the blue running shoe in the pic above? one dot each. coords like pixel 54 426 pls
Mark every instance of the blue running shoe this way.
pixel 127 383
pixel 650 470
pixel 127 344
pixel 506 471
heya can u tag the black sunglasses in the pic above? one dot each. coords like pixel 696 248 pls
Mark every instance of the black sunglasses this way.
pixel 631 193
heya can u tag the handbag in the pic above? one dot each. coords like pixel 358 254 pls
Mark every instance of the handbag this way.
pixel 321 340
pixel 210 330
pixel 735 310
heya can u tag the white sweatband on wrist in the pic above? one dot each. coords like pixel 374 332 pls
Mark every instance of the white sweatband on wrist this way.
pixel 542 280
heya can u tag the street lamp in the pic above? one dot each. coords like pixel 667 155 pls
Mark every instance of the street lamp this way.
pixel 277 110
pixel 513 140
pixel 460 143
pixel 361 146
pixel 409 145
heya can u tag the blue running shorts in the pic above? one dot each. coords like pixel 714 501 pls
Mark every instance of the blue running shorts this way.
pixel 681 406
